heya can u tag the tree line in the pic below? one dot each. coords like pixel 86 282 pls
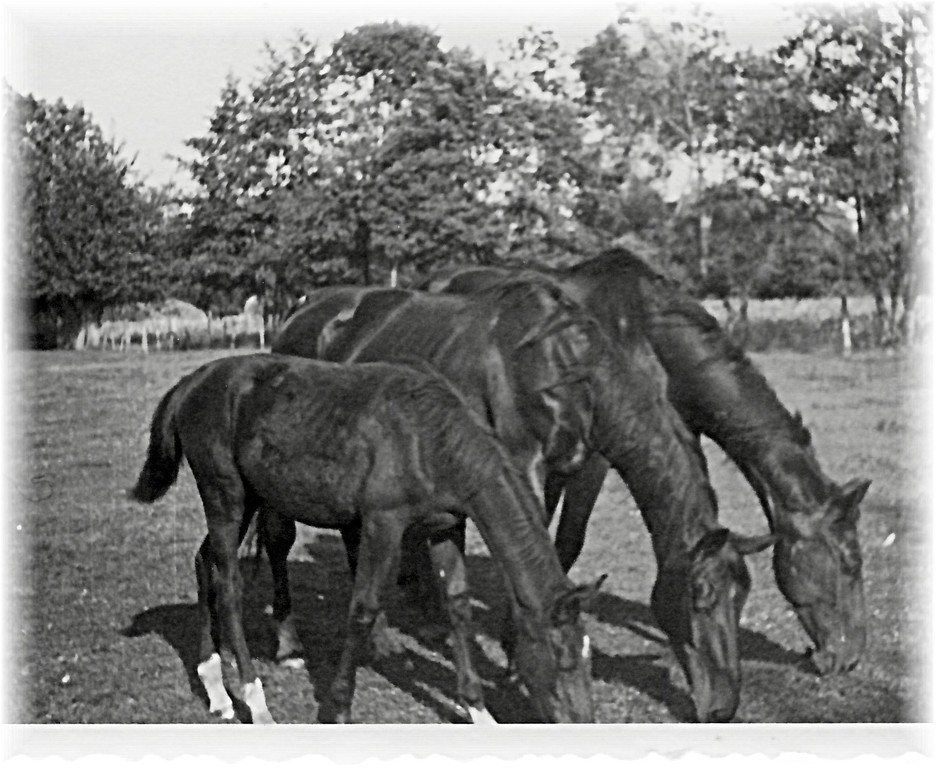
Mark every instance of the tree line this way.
pixel 800 171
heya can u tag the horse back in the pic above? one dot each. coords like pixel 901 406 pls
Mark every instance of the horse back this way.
pixel 318 441
pixel 507 347
pixel 324 315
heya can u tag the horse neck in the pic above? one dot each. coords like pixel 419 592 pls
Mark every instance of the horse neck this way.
pixel 643 438
pixel 713 384
pixel 510 519
pixel 791 476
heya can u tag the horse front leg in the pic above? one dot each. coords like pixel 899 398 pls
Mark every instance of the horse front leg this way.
pixel 278 534
pixel 382 643
pixel 424 586
pixel 449 562
pixel 378 557
pixel 581 493
pixel 552 492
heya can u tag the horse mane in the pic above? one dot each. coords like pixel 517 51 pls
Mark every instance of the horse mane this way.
pixel 519 289
pixel 457 431
pixel 662 296
pixel 467 452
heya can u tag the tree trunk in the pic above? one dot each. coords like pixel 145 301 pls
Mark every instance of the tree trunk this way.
pixel 743 326
pixel 360 250
pixel 704 225
pixel 731 317
pixel 880 317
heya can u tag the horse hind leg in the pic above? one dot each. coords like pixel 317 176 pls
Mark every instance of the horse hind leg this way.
pixel 378 558
pixel 209 669
pixel 224 533
pixel 449 563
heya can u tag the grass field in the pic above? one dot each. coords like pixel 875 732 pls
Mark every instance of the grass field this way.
pixel 104 589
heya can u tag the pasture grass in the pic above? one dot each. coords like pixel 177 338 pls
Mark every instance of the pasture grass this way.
pixel 104 590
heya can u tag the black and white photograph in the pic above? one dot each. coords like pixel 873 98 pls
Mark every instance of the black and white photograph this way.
pixel 556 370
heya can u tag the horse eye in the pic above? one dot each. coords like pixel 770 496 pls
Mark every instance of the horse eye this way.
pixel 703 595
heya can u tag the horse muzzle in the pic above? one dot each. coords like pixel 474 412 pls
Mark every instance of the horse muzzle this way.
pixel 830 662
pixel 715 693
pixel 719 703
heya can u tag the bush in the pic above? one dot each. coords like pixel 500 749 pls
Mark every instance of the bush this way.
pixel 800 325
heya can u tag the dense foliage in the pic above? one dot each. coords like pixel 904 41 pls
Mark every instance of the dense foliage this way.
pixel 796 172
pixel 81 231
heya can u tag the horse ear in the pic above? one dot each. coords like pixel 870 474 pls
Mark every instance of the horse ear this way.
pixel 578 599
pixel 805 437
pixel 848 498
pixel 711 543
pixel 748 545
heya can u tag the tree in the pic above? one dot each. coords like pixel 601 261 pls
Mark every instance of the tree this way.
pixel 259 145
pixel 81 225
pixel 383 158
pixel 665 84
pixel 854 100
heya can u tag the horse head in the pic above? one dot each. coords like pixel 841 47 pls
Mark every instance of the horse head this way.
pixel 698 603
pixel 817 562
pixel 555 666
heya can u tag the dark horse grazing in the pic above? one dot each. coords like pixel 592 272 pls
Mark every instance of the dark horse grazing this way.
pixel 383 448
pixel 720 393
pixel 556 390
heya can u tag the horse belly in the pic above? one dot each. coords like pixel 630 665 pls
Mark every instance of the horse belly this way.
pixel 312 511
pixel 319 490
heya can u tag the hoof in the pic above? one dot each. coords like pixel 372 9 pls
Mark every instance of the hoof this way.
pixel 256 703
pixel 383 644
pixel 481 716
pixel 432 633
pixel 263 718
pixel 224 709
pixel 288 644
pixel 330 715
pixel 292 662
pixel 219 702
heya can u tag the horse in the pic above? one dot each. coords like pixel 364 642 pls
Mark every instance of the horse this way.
pixel 556 391
pixel 720 393
pixel 384 449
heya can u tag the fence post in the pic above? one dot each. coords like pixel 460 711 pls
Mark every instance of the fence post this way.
pixel 846 328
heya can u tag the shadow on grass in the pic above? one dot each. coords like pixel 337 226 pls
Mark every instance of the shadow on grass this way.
pixel 321 587
pixel 638 618
pixel 177 624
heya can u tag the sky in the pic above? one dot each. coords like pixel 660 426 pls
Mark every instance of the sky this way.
pixel 150 74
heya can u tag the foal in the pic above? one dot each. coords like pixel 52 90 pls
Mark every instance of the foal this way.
pixel 386 448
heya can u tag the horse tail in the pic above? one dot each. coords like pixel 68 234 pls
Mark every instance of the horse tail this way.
pixel 164 454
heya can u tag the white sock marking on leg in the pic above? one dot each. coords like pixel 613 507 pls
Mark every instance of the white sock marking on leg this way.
pixel 256 701
pixel 219 702
pixel 481 716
